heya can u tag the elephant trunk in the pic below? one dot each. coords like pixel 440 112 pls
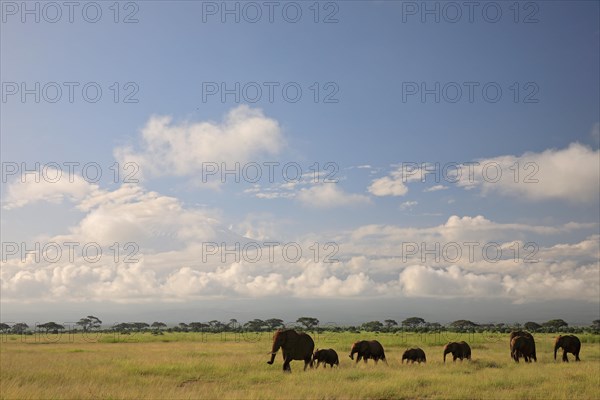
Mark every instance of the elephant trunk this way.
pixel 445 352
pixel 275 349
pixel 556 346
pixel 351 355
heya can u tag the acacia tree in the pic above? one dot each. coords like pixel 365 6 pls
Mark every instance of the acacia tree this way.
pixel 198 326
pixel 158 325
pixel 309 322
pixel 256 325
pixel 183 326
pixel 4 327
pixel 413 323
pixel 372 326
pixel 233 324
pixel 462 325
pixel 216 326
pixel 389 323
pixel 532 326
pixel 51 326
pixel 274 323
pixel 20 328
pixel 555 324
pixel 88 323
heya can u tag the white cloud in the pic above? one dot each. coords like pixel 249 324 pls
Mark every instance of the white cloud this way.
pixel 570 174
pixel 46 188
pixel 424 281
pixel 328 195
pixel 388 186
pixel 185 148
pixel 436 188
pixel 408 205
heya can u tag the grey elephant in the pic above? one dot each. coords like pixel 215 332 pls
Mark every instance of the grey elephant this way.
pixel 569 344
pixel 524 347
pixel 294 346
pixel 326 356
pixel 416 354
pixel 365 350
pixel 459 350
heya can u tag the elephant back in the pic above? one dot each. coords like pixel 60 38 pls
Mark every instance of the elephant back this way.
pixel 298 345
pixel 375 348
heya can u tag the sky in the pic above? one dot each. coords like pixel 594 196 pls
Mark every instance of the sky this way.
pixel 349 160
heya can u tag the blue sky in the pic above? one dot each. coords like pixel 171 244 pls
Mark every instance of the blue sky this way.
pixel 370 57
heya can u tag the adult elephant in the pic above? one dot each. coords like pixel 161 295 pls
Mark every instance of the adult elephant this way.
pixel 294 346
pixel 366 349
pixel 569 344
pixel 459 350
pixel 416 354
pixel 523 346
pixel 530 347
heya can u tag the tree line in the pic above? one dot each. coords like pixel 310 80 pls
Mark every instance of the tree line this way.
pixel 412 324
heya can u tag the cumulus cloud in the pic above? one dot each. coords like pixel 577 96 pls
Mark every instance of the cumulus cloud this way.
pixel 408 205
pixel 570 174
pixel 388 186
pixel 53 186
pixel 574 276
pixel 328 195
pixel 184 149
pixel 425 281
pixel 436 188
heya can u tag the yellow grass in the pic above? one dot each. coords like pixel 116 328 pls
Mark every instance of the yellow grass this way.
pixel 228 366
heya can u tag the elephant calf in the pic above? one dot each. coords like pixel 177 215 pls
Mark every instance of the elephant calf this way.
pixel 569 344
pixel 326 356
pixel 367 349
pixel 413 355
pixel 459 350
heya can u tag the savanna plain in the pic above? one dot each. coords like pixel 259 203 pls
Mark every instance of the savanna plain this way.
pixel 233 366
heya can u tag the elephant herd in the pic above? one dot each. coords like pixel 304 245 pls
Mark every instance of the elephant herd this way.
pixel 300 346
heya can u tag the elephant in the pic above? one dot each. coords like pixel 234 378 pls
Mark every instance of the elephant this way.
pixel 458 349
pixel 367 349
pixel 294 346
pixel 530 347
pixel 523 346
pixel 569 344
pixel 326 356
pixel 413 355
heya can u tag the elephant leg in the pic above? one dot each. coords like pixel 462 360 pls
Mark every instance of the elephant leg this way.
pixel 565 358
pixel 286 366
pixel 577 357
pixel 318 363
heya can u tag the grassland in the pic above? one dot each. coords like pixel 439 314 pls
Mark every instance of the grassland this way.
pixel 228 366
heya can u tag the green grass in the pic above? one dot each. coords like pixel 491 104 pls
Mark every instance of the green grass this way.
pixel 225 366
